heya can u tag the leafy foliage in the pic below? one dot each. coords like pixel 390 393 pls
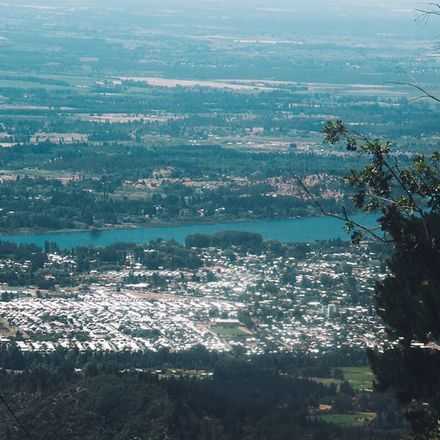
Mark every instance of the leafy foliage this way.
pixel 408 300
pixel 107 398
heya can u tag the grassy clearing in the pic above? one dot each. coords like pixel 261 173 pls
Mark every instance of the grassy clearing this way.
pixel 23 84
pixel 349 420
pixel 360 378
pixel 229 332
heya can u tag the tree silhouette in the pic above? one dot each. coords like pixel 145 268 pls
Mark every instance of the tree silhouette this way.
pixel 406 192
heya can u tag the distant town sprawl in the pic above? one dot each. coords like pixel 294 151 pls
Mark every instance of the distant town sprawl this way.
pixel 253 295
pixel 108 125
pixel 104 125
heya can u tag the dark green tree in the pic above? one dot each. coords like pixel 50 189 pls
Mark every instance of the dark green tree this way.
pixel 406 192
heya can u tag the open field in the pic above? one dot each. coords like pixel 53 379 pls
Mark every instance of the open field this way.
pixel 360 378
pixel 123 118
pixel 349 420
pixel 172 83
pixel 230 332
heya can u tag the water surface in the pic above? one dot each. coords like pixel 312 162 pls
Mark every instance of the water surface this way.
pixel 291 230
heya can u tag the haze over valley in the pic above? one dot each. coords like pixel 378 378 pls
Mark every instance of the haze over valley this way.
pixel 199 202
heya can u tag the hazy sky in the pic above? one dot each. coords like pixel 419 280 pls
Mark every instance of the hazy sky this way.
pixel 379 7
pixel 238 4
pixel 351 15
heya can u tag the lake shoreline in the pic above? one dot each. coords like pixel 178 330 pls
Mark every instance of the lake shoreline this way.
pixel 155 225
pixel 299 230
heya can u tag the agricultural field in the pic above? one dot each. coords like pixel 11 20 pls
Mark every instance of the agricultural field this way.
pixel 360 378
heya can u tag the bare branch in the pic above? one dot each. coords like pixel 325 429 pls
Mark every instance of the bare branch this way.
pixel 417 98
pixel 411 198
pixel 344 218
pixel 382 199
pixel 426 13
pixel 425 93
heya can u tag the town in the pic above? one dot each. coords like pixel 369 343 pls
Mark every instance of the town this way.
pixel 312 298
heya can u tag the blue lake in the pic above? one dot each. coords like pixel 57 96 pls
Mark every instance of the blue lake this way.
pixel 291 230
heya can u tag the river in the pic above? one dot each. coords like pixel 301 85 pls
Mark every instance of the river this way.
pixel 291 230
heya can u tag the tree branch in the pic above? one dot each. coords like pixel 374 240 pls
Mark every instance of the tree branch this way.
pixel 430 11
pixel 425 93
pixel 344 218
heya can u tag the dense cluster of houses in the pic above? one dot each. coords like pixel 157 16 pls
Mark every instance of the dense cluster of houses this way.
pixel 261 303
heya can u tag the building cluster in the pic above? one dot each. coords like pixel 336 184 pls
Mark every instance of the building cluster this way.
pixel 262 303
